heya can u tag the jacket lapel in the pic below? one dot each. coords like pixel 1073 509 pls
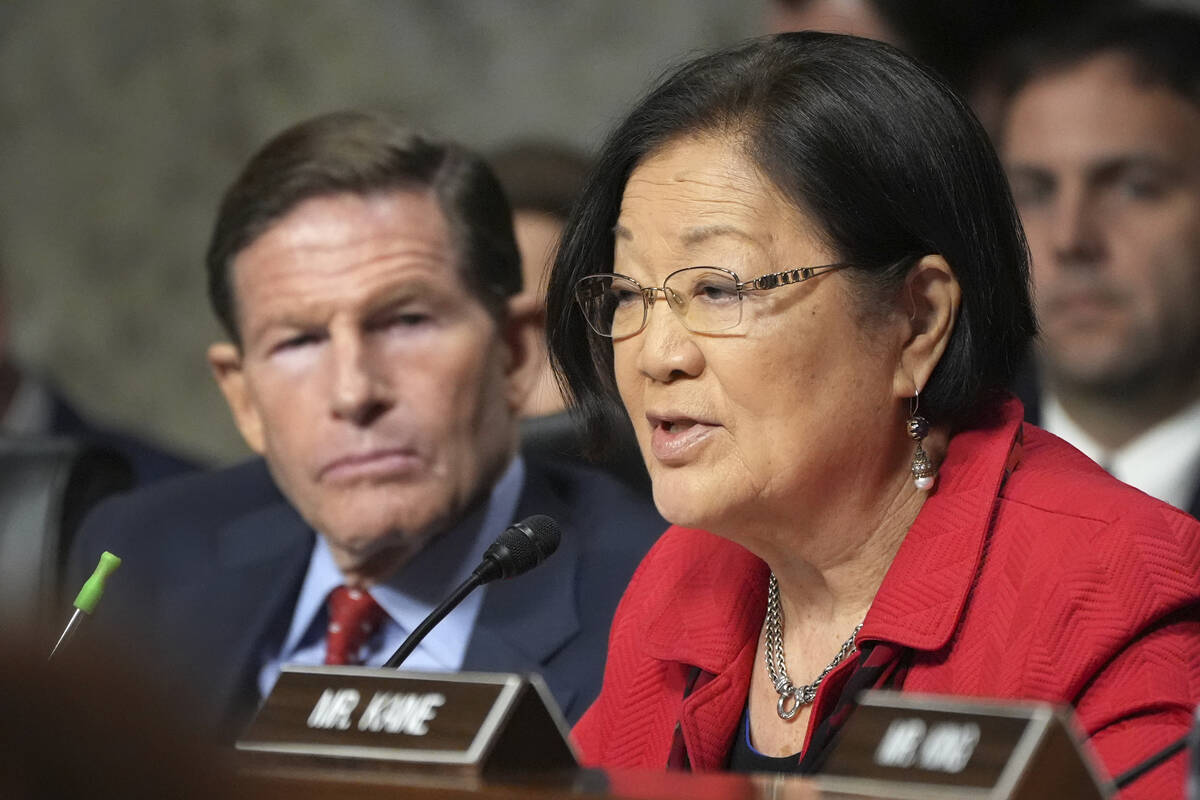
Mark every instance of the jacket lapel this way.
pixel 260 560
pixel 711 621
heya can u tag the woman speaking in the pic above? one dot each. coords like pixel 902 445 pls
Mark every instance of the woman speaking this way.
pixel 798 267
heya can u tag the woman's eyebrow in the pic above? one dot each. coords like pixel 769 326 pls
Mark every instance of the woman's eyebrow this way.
pixel 693 235
pixel 700 233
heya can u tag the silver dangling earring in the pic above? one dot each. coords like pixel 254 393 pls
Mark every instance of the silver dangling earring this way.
pixel 923 471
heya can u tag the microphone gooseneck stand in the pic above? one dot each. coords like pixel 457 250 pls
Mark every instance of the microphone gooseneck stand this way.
pixel 435 616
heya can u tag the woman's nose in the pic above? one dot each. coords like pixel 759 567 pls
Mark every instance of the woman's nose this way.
pixel 668 350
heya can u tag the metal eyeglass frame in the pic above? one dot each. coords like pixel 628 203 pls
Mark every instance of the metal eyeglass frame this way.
pixel 649 294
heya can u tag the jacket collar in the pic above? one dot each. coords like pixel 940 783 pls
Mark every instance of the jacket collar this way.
pixel 718 595
pixel 923 596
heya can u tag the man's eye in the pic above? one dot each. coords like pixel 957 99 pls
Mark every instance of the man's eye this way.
pixel 297 341
pixel 407 319
pixel 1029 191
pixel 1140 187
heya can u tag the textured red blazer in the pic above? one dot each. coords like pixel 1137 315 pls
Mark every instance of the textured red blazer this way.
pixel 1029 573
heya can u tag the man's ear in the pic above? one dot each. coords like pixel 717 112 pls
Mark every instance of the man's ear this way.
pixel 225 360
pixel 931 297
pixel 524 329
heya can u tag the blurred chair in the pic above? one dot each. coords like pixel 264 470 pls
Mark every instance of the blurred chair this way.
pixel 560 436
pixel 46 487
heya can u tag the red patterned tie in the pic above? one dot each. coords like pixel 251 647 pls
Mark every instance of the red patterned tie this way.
pixel 353 617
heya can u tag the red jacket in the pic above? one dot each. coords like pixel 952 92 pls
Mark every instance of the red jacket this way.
pixel 1029 573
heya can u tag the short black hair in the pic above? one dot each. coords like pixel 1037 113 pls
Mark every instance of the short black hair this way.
pixel 366 153
pixel 1162 45
pixel 878 151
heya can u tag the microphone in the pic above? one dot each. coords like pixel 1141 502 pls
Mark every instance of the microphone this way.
pixel 519 549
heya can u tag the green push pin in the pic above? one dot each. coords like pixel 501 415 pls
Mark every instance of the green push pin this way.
pixel 88 597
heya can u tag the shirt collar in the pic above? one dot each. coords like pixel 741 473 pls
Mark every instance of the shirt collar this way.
pixel 416 588
pixel 1163 462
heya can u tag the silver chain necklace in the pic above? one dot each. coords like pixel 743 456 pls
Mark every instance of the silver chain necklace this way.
pixel 799 696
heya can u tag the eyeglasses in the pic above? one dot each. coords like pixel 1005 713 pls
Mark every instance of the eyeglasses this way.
pixel 706 299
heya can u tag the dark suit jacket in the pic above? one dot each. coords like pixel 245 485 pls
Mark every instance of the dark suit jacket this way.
pixel 213 563
pixel 1025 387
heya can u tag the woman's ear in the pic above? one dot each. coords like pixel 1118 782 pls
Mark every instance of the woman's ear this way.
pixel 931 298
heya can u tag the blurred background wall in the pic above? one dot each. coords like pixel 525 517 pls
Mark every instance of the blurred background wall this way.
pixel 121 122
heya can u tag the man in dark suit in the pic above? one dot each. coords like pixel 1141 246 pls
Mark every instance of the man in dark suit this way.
pixel 364 275
pixel 1101 139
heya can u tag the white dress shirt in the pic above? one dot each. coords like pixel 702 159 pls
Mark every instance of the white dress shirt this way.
pixel 1163 462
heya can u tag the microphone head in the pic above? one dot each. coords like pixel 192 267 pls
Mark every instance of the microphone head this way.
pixel 522 547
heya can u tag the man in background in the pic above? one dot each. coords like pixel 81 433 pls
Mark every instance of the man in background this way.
pixel 376 362
pixel 542 181
pixel 1101 139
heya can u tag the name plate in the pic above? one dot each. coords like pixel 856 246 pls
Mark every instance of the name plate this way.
pixel 925 746
pixel 467 722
